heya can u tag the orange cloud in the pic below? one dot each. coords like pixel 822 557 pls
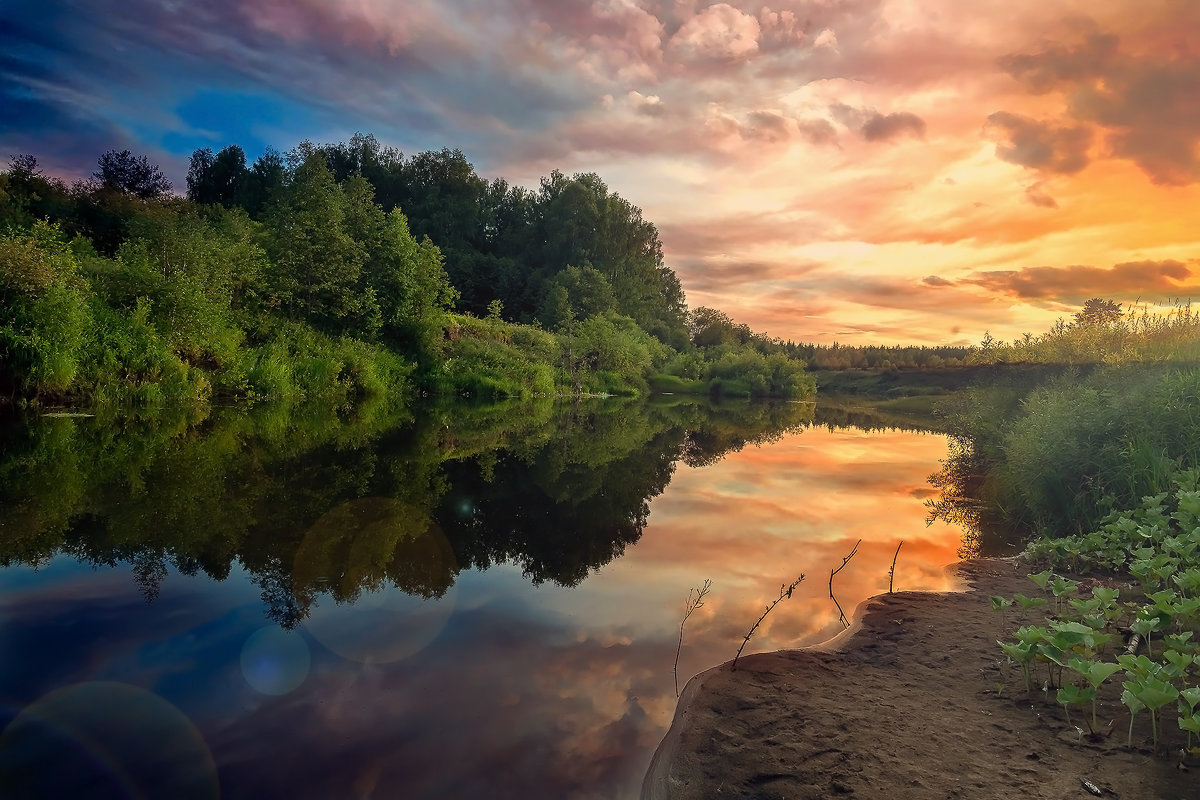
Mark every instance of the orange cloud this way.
pixel 1147 101
pixel 1077 283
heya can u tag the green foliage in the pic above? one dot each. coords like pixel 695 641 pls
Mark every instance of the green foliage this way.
pixel 1157 545
pixel 1102 333
pixel 301 276
pixel 480 359
pixel 1063 455
pixel 43 311
pixel 315 262
pixel 734 370
pixel 298 362
pixel 128 360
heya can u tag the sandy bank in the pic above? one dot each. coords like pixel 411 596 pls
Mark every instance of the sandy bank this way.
pixel 905 705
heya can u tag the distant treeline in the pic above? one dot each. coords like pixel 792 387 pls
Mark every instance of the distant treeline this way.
pixel 343 270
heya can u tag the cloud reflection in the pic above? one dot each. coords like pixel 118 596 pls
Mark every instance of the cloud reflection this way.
pixel 522 691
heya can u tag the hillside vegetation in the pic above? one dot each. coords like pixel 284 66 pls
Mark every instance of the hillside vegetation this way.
pixel 346 270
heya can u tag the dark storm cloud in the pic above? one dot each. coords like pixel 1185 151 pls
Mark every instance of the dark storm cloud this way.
pixel 1041 145
pixel 1144 94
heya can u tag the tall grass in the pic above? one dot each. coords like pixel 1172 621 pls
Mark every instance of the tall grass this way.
pixel 1141 335
pixel 1075 447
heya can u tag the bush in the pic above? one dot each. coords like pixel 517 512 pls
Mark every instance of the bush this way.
pixel 43 311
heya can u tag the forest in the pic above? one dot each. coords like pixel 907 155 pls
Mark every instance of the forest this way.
pixel 345 270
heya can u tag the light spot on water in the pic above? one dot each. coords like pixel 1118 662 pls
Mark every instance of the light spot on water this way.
pixel 275 661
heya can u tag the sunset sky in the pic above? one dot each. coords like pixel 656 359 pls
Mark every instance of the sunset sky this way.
pixel 862 171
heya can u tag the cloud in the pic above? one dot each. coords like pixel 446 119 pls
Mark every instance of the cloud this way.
pixel 649 105
pixel 768 126
pixel 882 127
pixel 718 33
pixel 781 25
pixel 1144 96
pixel 1079 282
pixel 876 127
pixel 1036 195
pixel 1041 145
pixel 1059 66
pixel 828 39
pixel 817 131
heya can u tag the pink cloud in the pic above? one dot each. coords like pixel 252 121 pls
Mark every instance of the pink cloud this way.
pixel 718 33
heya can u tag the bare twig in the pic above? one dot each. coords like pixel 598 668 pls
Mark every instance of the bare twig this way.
pixel 832 572
pixel 845 561
pixel 892 571
pixel 695 599
pixel 784 593
pixel 841 614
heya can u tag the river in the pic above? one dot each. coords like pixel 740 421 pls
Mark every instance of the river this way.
pixel 441 603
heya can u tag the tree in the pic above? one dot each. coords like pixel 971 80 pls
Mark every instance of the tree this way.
pixel 587 291
pixel 1098 312
pixel 264 179
pixel 129 174
pixel 709 327
pixel 219 178
pixel 316 264
pixel 199 175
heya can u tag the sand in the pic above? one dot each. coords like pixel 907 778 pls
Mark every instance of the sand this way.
pixel 907 704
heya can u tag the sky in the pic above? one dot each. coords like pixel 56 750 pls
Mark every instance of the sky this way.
pixel 859 171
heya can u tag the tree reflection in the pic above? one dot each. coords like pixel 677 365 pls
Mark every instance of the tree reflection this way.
pixel 334 502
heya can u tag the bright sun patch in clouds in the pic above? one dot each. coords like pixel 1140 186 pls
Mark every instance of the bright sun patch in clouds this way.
pixel 809 163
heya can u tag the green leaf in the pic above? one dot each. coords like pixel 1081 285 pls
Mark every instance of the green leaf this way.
pixel 1073 695
pixel 1138 666
pixel 1191 696
pixel 1021 653
pixel 1028 603
pixel 1041 579
pixel 1095 672
pixel 1131 701
pixel 1155 693
pixel 1063 586
pixel 1032 634
pixel 1179 663
pixel 1191 723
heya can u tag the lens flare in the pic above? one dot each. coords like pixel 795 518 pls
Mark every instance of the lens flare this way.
pixel 275 661
pixel 105 740
pixel 386 575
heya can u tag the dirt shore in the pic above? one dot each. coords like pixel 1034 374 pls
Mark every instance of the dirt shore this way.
pixel 915 701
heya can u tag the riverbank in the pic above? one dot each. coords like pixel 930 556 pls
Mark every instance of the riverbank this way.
pixel 915 701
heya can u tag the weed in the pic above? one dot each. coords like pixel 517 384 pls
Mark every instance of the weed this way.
pixel 784 593
pixel 695 600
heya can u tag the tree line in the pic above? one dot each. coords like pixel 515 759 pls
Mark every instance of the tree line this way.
pixel 348 268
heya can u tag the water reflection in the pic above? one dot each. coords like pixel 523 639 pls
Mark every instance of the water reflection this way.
pixel 452 616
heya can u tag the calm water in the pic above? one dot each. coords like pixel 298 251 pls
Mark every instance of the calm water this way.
pixel 454 603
